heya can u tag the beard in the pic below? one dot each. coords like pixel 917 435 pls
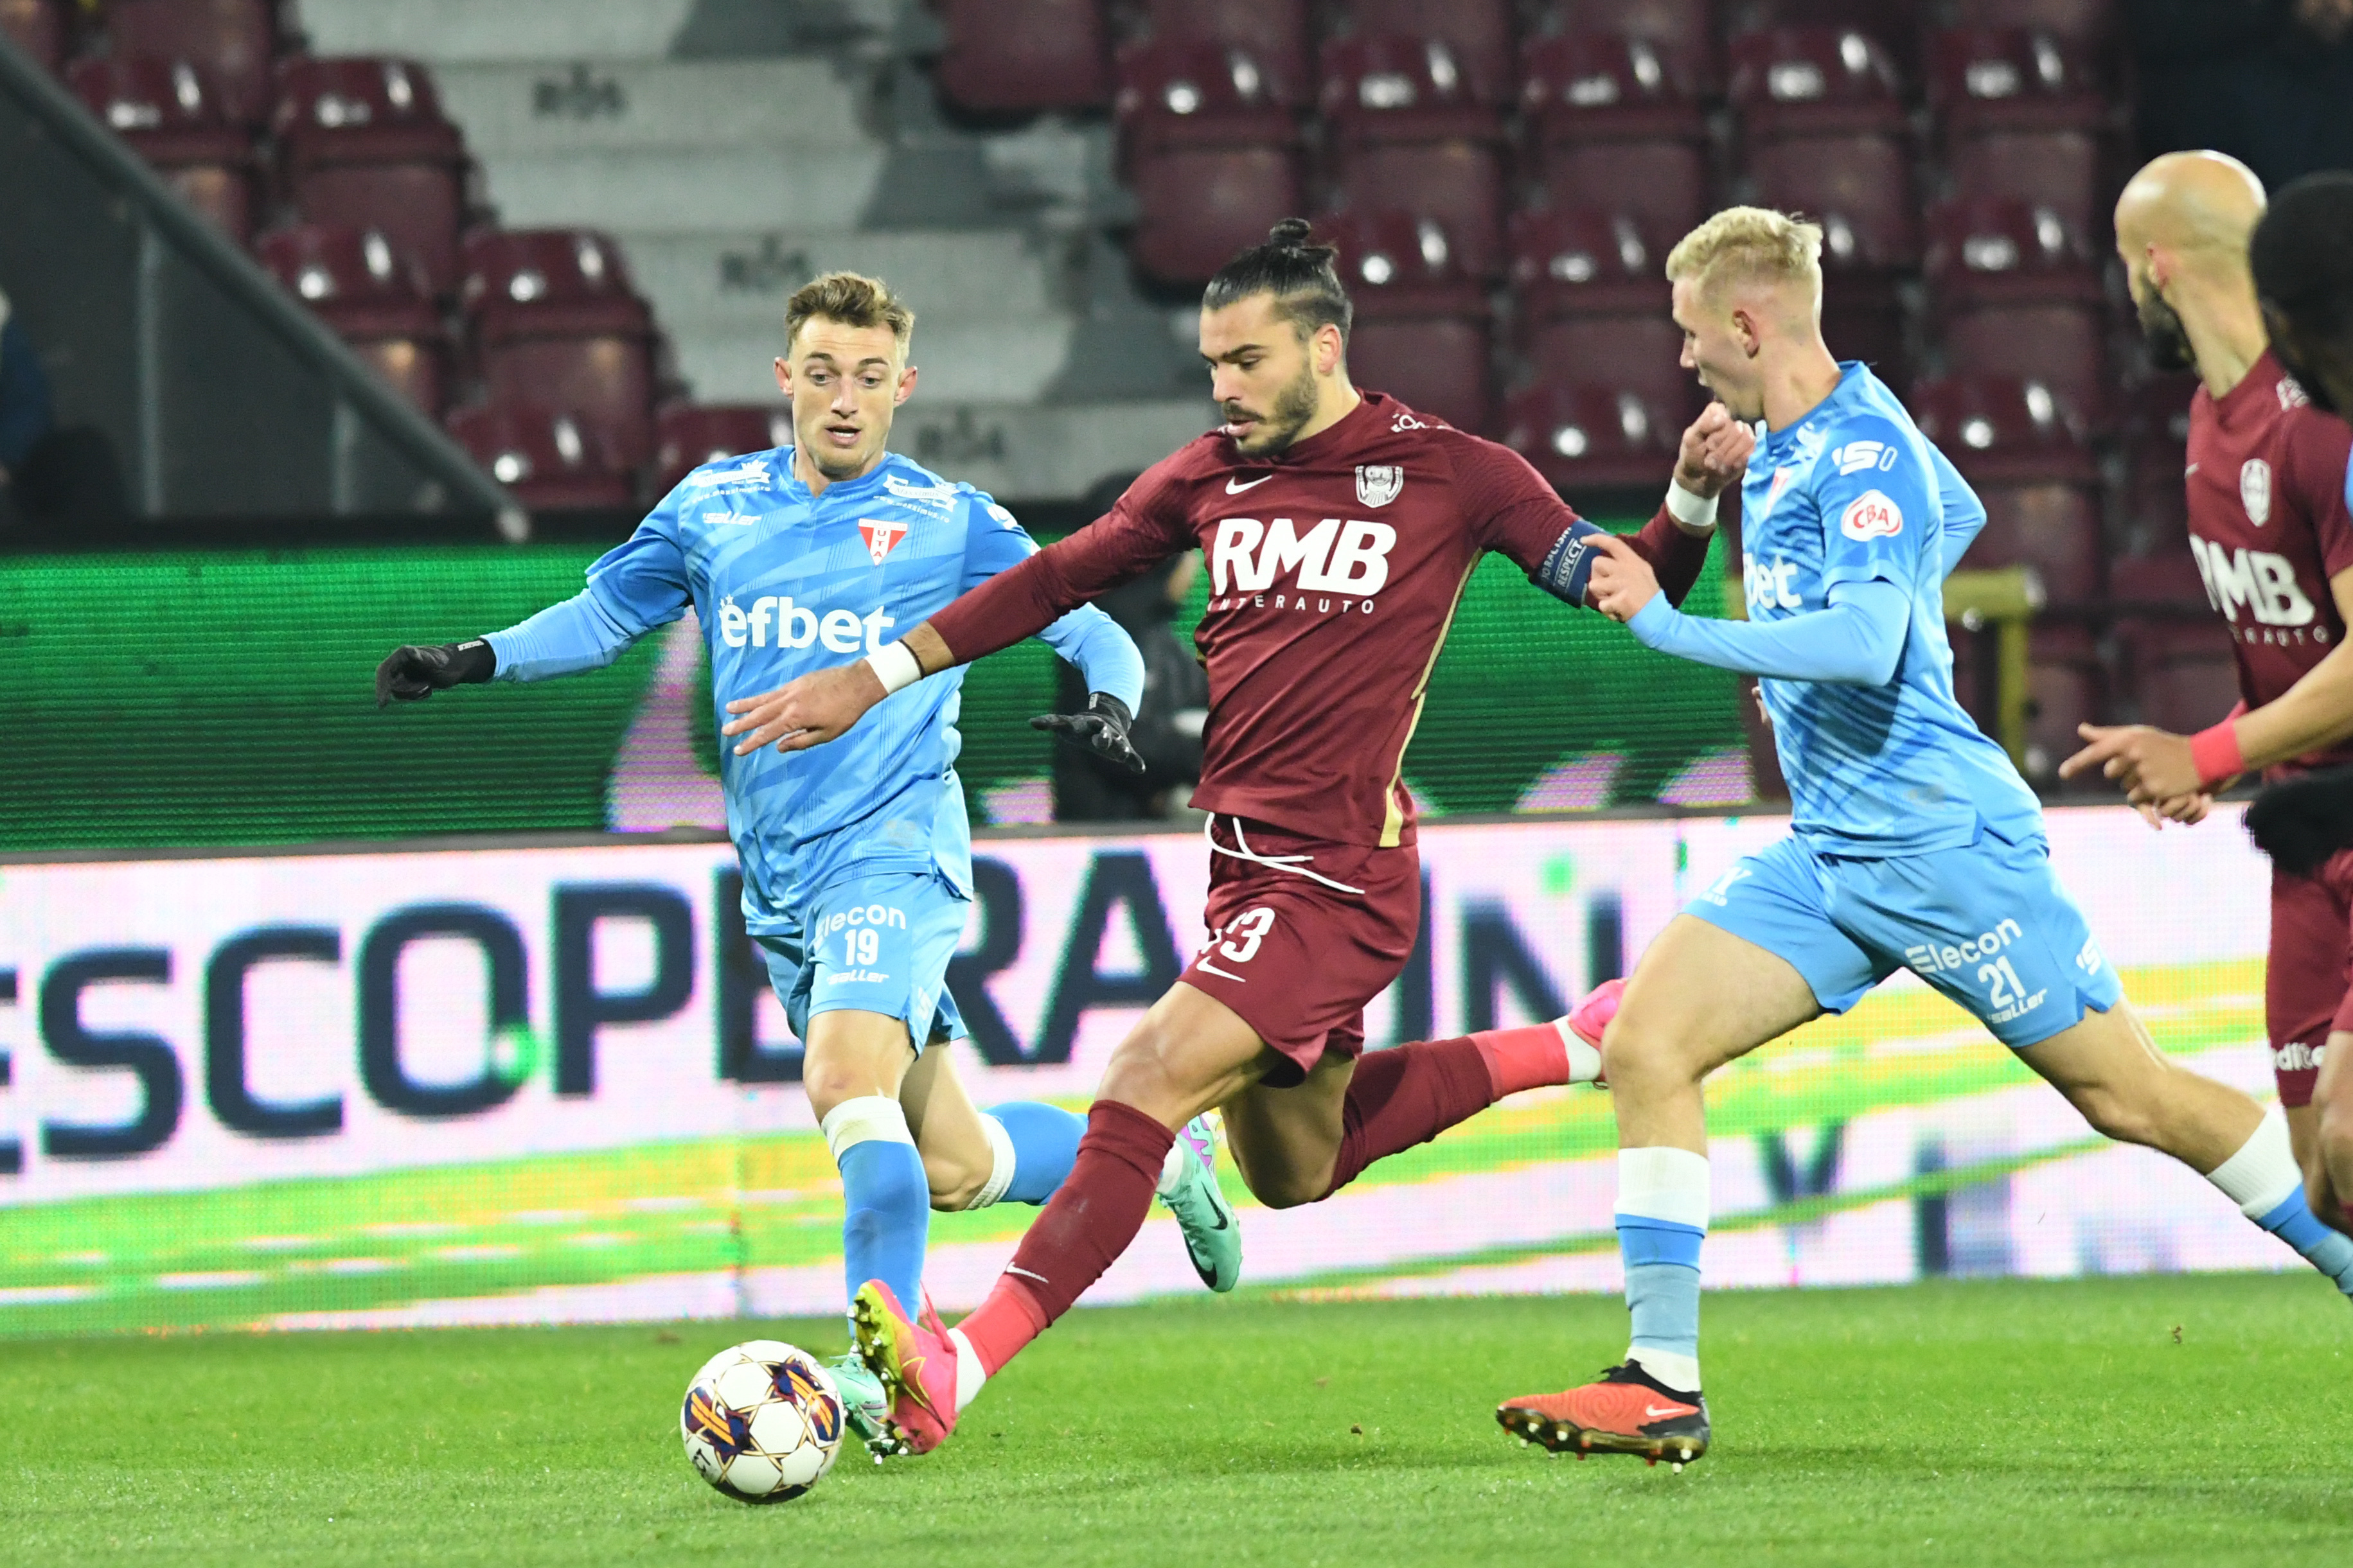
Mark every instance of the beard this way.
pixel 2161 330
pixel 1294 405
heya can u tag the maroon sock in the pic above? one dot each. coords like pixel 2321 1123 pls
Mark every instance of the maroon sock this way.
pixel 1405 1096
pixel 1092 1218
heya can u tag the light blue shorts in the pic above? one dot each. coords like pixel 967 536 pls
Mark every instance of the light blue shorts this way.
pixel 875 944
pixel 1987 925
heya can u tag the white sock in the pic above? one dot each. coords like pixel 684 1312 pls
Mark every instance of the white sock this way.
pixel 1001 1163
pixel 970 1374
pixel 1584 1060
pixel 1172 1169
pixel 2263 1173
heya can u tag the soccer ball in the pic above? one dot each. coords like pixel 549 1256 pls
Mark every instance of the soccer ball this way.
pixel 763 1421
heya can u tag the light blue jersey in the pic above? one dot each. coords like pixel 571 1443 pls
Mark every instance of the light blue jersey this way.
pixel 785 583
pixel 1852 493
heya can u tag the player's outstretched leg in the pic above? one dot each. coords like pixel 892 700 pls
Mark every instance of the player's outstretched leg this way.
pixel 1699 998
pixel 1189 1052
pixel 2111 1070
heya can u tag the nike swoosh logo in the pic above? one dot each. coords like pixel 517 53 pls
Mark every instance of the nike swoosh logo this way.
pixel 1234 488
pixel 1041 1279
pixel 1653 1413
pixel 2190 470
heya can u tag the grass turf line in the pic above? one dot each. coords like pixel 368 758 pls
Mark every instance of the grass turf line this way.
pixel 1979 1423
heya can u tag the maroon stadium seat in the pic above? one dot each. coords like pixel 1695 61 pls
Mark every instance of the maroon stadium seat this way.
pixel 689 435
pixel 1815 82
pixel 2184 673
pixel 2016 293
pixel 2055 169
pixel 1663 184
pixel 1858 188
pixel 1409 133
pixel 2165 577
pixel 1683 29
pixel 556 322
pixel 2086 22
pixel 552 461
pixel 37 27
pixel 1633 354
pixel 2156 428
pixel 1477 32
pixel 1421 330
pixel 233 41
pixel 1999 430
pixel 2053 527
pixel 1600 87
pixel 2009 78
pixel 1597 436
pixel 1211 158
pixel 2065 687
pixel 1022 54
pixel 2057 345
pixel 363 143
pixel 172 117
pixel 372 296
pixel 1274 33
pixel 1588 261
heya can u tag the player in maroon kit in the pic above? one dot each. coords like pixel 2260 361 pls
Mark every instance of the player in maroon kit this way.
pixel 1339 530
pixel 2268 521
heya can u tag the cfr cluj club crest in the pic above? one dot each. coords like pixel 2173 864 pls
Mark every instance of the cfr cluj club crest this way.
pixel 1378 483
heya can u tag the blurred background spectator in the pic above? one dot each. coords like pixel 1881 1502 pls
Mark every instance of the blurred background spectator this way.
pixel 25 413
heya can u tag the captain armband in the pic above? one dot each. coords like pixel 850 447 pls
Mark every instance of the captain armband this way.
pixel 1570 563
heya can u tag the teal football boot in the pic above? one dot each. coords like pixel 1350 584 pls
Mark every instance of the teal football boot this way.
pixel 1212 1238
pixel 867 1403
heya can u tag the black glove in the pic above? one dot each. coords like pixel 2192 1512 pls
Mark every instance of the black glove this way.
pixel 413 673
pixel 1102 729
pixel 2300 822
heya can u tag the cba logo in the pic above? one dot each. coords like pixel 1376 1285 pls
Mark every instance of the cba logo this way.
pixel 1332 557
pixel 1871 515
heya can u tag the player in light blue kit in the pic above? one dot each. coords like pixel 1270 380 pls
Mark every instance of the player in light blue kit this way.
pixel 857 857
pixel 1916 843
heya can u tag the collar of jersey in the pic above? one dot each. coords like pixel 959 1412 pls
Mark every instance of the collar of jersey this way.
pixel 858 488
pixel 1852 377
pixel 2265 374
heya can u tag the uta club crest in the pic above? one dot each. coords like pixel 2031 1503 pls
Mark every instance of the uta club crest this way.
pixel 1378 483
pixel 881 535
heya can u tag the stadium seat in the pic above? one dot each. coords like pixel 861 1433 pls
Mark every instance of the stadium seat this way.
pixel 689 435
pixel 2016 293
pixel 2060 169
pixel 2156 429
pixel 2009 78
pixel 1664 185
pixel 1274 33
pixel 1685 30
pixel 1600 87
pixel 362 142
pixel 556 322
pixel 2086 22
pixel 1212 159
pixel 1588 261
pixel 37 29
pixel 2053 528
pixel 2000 430
pixel 232 41
pixel 1634 353
pixel 2065 687
pixel 1422 329
pixel 2164 577
pixel 1597 436
pixel 1858 188
pixel 1024 55
pixel 1479 34
pixel 373 298
pixel 551 461
pixel 1815 82
pixel 1408 134
pixel 170 116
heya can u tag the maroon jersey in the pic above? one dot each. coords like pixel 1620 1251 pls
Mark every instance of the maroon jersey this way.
pixel 1334 568
pixel 2268 524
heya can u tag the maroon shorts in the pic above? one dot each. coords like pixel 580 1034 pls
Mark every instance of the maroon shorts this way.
pixel 1296 956
pixel 2306 993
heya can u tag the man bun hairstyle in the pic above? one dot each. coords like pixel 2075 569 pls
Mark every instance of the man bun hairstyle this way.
pixel 1748 245
pixel 2302 253
pixel 852 298
pixel 1303 277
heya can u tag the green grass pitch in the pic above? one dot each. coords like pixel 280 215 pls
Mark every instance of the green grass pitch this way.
pixel 2190 1420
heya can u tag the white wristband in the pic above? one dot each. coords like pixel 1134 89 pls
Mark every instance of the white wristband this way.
pixel 1691 511
pixel 895 666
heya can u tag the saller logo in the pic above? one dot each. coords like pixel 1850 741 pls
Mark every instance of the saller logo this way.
pixel 1871 515
pixel 1332 557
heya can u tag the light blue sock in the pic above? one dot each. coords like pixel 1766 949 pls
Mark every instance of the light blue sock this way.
pixel 886 1201
pixel 1045 1141
pixel 2294 1223
pixel 1662 1204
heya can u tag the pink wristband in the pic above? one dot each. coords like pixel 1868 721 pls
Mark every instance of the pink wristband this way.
pixel 2214 751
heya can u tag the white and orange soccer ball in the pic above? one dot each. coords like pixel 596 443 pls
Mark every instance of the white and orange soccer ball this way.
pixel 763 1421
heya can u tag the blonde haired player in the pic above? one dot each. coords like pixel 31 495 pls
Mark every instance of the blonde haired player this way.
pixel 1914 843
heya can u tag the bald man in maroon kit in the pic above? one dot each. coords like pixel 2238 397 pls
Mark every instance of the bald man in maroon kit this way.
pixel 1339 529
